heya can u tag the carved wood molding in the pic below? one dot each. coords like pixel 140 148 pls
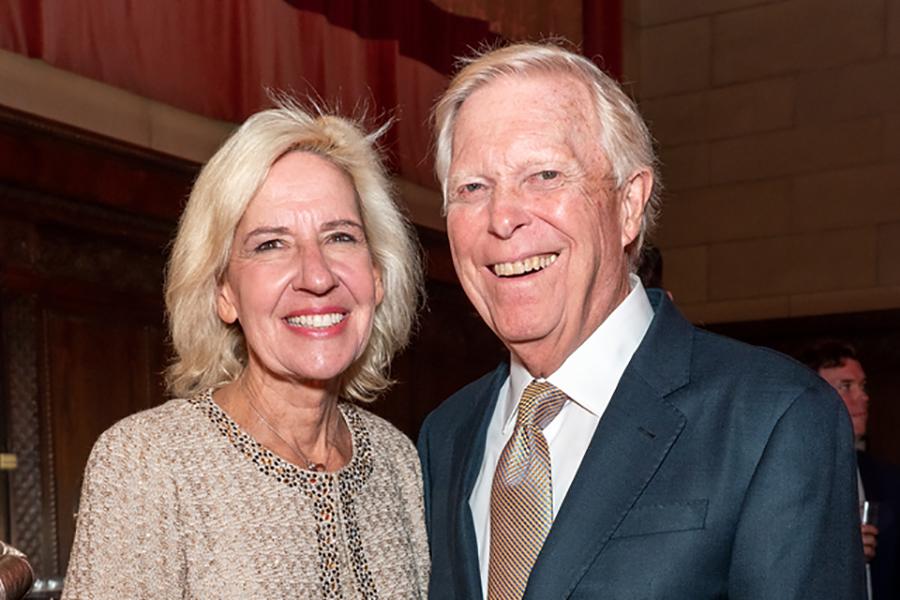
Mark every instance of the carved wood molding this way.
pixel 18 316
pixel 41 155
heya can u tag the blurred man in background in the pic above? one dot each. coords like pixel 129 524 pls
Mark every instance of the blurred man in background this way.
pixel 838 364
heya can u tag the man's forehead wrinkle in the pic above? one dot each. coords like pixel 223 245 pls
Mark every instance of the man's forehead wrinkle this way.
pixel 575 99
pixel 570 141
pixel 502 136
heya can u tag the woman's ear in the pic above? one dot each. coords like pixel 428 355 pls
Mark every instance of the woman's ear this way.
pixel 226 307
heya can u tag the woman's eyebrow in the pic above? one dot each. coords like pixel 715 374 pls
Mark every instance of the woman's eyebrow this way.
pixel 266 230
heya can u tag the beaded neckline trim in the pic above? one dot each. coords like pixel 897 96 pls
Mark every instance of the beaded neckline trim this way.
pixel 333 494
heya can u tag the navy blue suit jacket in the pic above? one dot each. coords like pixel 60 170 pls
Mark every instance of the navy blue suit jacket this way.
pixel 718 470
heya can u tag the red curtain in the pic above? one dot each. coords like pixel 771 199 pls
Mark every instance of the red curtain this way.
pixel 219 57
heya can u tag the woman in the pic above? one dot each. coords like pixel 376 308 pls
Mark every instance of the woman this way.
pixel 293 280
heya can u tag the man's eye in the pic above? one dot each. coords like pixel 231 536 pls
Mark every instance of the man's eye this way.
pixel 545 179
pixel 268 245
pixel 470 188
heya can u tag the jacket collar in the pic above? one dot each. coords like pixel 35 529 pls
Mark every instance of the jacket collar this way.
pixel 633 438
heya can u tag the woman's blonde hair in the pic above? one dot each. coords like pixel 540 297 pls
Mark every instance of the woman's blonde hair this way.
pixel 211 353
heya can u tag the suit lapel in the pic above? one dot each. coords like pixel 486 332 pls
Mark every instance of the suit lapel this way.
pixel 632 439
pixel 469 452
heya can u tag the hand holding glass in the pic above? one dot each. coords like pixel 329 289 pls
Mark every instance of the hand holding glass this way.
pixel 868 512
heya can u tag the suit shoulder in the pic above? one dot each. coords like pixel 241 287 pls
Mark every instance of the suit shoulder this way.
pixel 714 353
pixel 759 382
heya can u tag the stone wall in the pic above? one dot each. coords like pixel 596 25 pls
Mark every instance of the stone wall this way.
pixel 778 124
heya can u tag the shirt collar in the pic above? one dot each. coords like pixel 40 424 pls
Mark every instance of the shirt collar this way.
pixel 590 375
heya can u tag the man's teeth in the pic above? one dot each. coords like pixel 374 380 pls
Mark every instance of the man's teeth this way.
pixel 317 321
pixel 520 267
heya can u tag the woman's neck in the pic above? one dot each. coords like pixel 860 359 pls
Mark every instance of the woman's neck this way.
pixel 299 421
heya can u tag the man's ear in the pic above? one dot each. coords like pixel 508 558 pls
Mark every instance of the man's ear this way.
pixel 635 195
pixel 225 304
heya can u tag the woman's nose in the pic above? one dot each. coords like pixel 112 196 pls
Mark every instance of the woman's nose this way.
pixel 314 272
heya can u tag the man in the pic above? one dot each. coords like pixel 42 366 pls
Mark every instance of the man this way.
pixel 838 364
pixel 621 453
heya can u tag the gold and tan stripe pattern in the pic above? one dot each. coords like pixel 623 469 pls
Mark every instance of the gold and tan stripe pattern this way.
pixel 522 496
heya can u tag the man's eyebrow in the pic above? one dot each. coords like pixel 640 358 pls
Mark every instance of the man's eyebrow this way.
pixel 456 178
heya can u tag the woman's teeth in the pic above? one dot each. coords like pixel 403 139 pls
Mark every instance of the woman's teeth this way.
pixel 316 321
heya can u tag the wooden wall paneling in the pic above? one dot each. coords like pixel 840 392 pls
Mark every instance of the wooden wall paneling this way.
pixel 73 373
pixel 83 230
pixel 62 161
pixel 29 529
pixel 100 367
pixel 4 445
pixel 88 351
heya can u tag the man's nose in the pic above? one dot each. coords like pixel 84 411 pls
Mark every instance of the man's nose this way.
pixel 314 272
pixel 508 212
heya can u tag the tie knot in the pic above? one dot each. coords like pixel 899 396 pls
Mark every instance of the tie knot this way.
pixel 540 403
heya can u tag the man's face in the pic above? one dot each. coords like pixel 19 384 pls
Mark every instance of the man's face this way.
pixel 849 380
pixel 537 229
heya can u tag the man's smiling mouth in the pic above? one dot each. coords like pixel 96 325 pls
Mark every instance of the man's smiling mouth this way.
pixel 523 267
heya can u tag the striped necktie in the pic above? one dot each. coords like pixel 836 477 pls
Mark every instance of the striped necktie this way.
pixel 522 496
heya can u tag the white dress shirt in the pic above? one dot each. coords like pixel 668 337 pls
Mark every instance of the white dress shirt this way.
pixel 589 376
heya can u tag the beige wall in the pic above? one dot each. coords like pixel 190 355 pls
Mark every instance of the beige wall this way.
pixel 778 124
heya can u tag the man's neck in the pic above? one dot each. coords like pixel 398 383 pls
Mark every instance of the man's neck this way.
pixel 544 356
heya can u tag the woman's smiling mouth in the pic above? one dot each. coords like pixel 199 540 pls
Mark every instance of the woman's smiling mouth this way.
pixel 316 321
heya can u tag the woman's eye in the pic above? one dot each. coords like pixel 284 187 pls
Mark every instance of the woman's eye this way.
pixel 548 175
pixel 268 245
pixel 342 237
pixel 470 188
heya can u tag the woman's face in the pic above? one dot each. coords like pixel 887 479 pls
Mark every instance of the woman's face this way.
pixel 300 279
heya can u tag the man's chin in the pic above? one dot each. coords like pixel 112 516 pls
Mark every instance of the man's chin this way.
pixel 520 335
